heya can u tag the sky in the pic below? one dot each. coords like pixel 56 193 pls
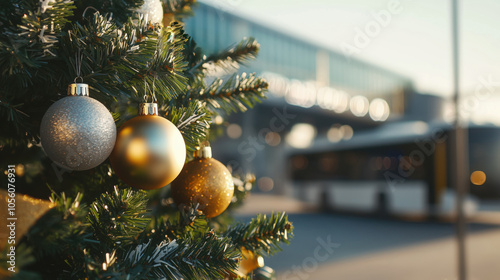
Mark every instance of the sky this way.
pixel 414 38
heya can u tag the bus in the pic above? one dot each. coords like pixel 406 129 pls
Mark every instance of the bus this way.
pixel 400 168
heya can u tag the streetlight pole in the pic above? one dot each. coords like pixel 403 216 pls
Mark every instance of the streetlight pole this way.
pixel 461 151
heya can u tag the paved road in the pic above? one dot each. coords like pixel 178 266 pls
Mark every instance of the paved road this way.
pixel 329 246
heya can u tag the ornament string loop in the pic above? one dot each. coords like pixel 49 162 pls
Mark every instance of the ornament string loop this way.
pixel 146 86
pixel 145 97
pixel 88 8
pixel 78 65
pixel 76 79
pixel 153 95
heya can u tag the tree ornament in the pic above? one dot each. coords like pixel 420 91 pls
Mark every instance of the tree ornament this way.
pixel 78 132
pixel 204 181
pixel 249 262
pixel 152 11
pixel 264 273
pixel 27 212
pixel 168 18
pixel 149 151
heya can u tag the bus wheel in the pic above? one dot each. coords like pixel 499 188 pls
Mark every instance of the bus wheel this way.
pixel 382 204
pixel 325 203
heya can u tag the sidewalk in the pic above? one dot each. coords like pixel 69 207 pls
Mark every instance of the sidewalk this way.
pixel 429 261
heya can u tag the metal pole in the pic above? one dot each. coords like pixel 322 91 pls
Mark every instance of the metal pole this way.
pixel 460 169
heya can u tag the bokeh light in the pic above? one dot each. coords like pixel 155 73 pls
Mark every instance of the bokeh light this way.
pixel 234 131
pixel 359 106
pixel 265 184
pixel 273 139
pixel 379 110
pixel 301 136
pixel 347 132
pixel 478 178
pixel 335 134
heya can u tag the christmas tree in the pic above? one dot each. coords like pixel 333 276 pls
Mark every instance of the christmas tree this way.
pixel 143 93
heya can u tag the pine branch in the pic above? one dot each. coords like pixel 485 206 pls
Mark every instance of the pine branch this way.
pixel 168 62
pixel 13 111
pixel 95 266
pixel 32 42
pixel 117 217
pixel 229 59
pixel 193 121
pixel 239 93
pixel 209 258
pixel 92 264
pixel 187 224
pixel 13 116
pixel 62 229
pixel 262 235
pixel 193 55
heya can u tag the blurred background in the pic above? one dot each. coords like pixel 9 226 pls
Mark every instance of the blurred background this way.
pixel 354 138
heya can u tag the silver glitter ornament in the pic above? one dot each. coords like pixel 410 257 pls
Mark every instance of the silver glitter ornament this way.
pixel 153 10
pixel 78 132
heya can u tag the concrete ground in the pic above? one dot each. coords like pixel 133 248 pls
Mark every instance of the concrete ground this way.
pixel 430 260
pixel 331 246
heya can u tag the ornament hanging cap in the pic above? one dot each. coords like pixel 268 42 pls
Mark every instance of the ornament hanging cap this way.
pixel 78 89
pixel 204 151
pixel 148 109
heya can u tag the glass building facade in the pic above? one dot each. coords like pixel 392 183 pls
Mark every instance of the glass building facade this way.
pixel 296 59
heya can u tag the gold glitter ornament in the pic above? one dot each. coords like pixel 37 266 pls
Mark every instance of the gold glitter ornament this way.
pixel 204 181
pixel 149 151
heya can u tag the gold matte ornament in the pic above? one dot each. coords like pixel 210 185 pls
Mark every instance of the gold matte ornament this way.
pixel 204 181
pixel 149 152
pixel 27 211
